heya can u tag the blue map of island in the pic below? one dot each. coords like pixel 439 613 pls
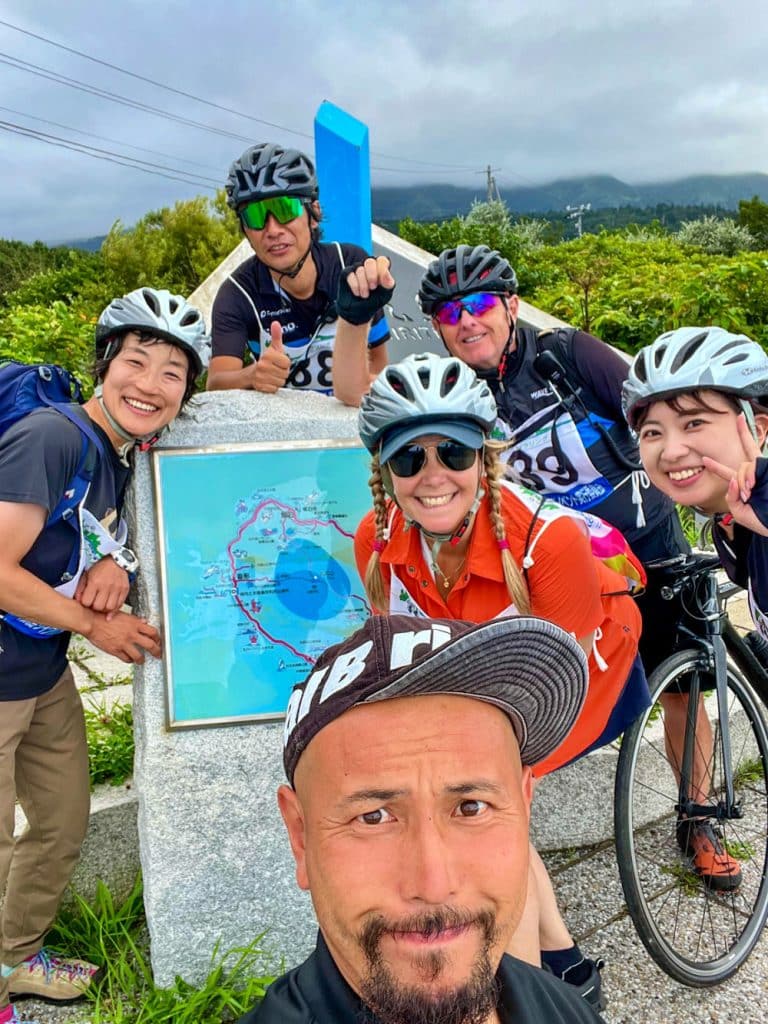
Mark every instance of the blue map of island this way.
pixel 309 582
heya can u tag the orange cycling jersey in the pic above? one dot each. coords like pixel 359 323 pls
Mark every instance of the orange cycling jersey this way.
pixel 567 585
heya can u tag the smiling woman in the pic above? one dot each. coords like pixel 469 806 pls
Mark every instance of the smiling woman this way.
pixel 71 573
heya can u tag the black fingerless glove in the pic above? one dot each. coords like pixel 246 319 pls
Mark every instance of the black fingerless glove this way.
pixel 352 308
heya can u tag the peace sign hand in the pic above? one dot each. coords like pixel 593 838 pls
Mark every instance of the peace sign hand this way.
pixel 740 480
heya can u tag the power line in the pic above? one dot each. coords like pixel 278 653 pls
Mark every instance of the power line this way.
pixel 211 103
pixel 151 81
pixel 74 83
pixel 114 158
pixel 105 138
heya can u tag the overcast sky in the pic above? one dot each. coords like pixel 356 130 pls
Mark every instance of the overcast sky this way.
pixel 540 89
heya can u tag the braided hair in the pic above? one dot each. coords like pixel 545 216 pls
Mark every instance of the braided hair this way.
pixel 375 585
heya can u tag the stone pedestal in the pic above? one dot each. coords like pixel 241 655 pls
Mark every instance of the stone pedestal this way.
pixel 216 861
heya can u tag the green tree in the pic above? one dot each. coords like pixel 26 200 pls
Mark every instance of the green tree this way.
pixel 753 215
pixel 491 213
pixel 716 235
pixel 174 248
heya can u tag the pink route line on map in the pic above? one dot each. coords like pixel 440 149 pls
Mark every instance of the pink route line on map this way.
pixel 244 526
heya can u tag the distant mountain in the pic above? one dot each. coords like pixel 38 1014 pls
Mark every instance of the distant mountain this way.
pixel 436 202
pixel 89 244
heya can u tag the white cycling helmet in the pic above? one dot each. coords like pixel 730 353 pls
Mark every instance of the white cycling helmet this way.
pixel 425 394
pixel 167 316
pixel 695 359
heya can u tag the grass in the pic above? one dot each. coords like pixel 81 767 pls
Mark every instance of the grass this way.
pixel 81 655
pixel 749 770
pixel 688 880
pixel 110 743
pixel 113 935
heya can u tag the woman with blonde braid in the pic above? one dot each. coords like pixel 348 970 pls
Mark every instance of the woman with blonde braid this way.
pixel 448 538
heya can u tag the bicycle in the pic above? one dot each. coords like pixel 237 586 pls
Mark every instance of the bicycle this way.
pixel 699 935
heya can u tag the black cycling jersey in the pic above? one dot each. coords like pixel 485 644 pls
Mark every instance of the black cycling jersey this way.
pixel 316 993
pixel 249 300
pixel 571 441
pixel 745 558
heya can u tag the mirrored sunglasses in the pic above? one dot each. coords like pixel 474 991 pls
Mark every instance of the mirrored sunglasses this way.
pixel 411 459
pixel 283 209
pixel 476 305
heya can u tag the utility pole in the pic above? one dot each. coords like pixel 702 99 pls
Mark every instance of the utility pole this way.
pixel 492 189
pixel 575 213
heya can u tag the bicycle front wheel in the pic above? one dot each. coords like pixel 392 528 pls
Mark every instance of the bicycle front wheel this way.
pixel 698 935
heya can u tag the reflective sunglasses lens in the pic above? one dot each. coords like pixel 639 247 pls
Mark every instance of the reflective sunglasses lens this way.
pixel 475 305
pixel 480 303
pixel 449 314
pixel 283 209
pixel 456 456
pixel 408 461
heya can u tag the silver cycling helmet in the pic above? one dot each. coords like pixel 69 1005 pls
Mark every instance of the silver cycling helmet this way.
pixel 265 170
pixel 462 271
pixel 425 394
pixel 167 316
pixel 694 359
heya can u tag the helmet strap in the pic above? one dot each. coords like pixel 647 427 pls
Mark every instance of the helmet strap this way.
pixel 438 539
pixel 509 347
pixel 142 442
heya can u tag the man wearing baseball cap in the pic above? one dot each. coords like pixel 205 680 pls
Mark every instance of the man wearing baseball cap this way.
pixel 408 753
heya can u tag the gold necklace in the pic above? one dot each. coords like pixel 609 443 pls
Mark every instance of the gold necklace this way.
pixel 448 581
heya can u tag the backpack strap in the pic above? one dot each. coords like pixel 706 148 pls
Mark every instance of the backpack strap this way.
pixel 68 508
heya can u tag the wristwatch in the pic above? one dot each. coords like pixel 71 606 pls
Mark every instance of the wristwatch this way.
pixel 126 559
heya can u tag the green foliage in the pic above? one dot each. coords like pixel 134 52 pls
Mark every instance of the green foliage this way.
pixel 110 743
pixel 19 262
pixel 460 231
pixel 55 333
pixel 80 280
pixel 174 248
pixel 753 215
pixel 628 292
pixel 715 235
pixel 492 213
pixel 113 936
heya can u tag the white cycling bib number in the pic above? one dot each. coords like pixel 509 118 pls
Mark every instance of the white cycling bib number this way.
pixel 312 364
pixel 561 468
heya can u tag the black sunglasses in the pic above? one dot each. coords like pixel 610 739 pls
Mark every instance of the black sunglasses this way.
pixel 411 459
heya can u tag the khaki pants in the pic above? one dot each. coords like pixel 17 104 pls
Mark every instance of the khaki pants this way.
pixel 43 764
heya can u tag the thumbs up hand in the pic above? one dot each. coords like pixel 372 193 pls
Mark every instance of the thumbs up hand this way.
pixel 270 371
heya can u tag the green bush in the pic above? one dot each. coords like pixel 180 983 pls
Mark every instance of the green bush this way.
pixel 716 235
pixel 56 333
pixel 110 743
pixel 174 248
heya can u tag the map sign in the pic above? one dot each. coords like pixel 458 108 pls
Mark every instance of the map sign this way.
pixel 257 571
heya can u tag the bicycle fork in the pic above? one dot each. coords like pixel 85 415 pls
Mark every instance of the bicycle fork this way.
pixel 714 651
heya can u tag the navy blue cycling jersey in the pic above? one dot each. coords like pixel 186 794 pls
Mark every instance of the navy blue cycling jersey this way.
pixel 745 558
pixel 38 458
pixel 572 443
pixel 249 300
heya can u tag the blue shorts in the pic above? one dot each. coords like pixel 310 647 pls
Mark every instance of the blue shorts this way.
pixel 634 699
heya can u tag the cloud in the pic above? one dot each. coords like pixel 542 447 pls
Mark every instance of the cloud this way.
pixel 540 90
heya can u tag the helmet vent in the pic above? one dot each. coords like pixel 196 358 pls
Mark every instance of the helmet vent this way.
pixel 151 300
pixel 448 383
pixel 687 352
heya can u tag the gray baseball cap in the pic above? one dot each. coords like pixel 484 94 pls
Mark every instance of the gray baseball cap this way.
pixel 529 668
